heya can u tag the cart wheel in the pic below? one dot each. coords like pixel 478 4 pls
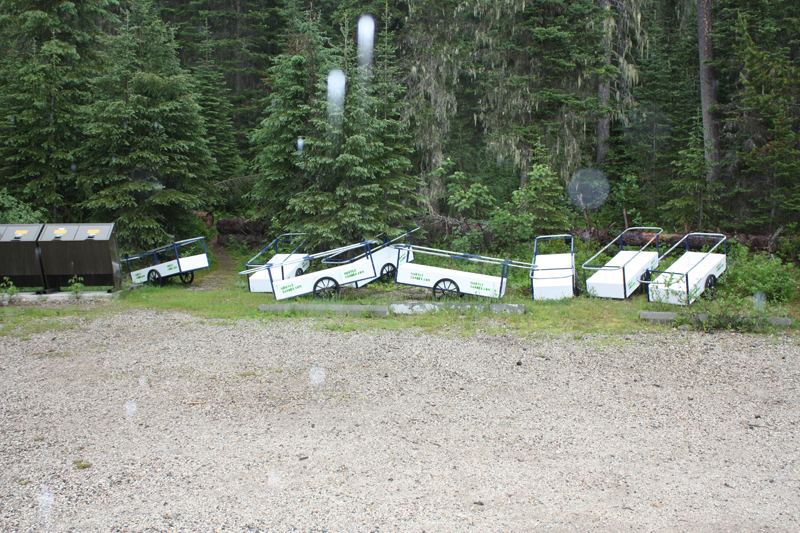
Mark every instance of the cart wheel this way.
pixel 645 286
pixel 446 288
pixel 711 288
pixel 187 277
pixel 154 278
pixel 388 272
pixel 326 289
pixel 298 272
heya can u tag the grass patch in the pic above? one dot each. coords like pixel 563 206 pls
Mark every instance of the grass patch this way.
pixel 219 294
pixel 25 320
pixel 220 302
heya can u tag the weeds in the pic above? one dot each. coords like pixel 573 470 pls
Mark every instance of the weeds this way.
pixel 8 287
pixel 76 286
pixel 81 463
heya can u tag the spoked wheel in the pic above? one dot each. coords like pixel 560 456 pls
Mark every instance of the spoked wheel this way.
pixel 388 272
pixel 711 288
pixel 326 289
pixel 446 288
pixel 187 277
pixel 298 272
pixel 154 278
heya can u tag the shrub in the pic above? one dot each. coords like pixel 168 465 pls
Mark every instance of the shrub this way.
pixel 751 272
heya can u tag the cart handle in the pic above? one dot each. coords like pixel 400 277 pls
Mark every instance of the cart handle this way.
pixel 545 238
pixel 278 239
pixel 380 246
pixel 587 266
pixel 466 257
pixel 328 253
pixel 564 236
pixel 677 275
pixel 173 246
pixel 721 239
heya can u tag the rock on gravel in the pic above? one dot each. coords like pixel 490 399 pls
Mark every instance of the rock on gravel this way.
pixel 146 421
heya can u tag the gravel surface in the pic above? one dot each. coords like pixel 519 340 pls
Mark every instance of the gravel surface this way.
pixel 145 421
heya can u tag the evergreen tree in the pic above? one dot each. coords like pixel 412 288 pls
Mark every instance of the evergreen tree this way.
pixel 771 151
pixel 48 57
pixel 217 111
pixel 12 211
pixel 279 143
pixel 654 131
pixel 147 164
pixel 245 36
pixel 354 172
pixel 362 185
pixel 691 194
pixel 536 209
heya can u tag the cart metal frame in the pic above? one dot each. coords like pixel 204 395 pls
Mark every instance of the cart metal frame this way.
pixel 384 255
pixel 692 275
pixel 549 275
pixel 157 271
pixel 624 269
pixel 259 280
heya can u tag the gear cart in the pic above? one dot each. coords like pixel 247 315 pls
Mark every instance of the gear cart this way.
pixel 449 282
pixel 384 256
pixel 554 276
pixel 619 278
pixel 280 266
pixel 692 275
pixel 181 258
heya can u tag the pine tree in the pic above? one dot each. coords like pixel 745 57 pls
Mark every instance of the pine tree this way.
pixel 147 164
pixel 362 185
pixel 279 143
pixel 350 180
pixel 217 111
pixel 771 153
pixel 48 57
pixel 692 196
pixel 245 36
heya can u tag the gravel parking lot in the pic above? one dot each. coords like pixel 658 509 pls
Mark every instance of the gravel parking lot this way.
pixel 145 421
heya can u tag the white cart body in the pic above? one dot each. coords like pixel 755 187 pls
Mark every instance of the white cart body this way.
pixel 280 266
pixel 283 267
pixel 687 278
pixel 167 269
pixel 387 255
pixel 554 276
pixel 620 277
pixel 465 282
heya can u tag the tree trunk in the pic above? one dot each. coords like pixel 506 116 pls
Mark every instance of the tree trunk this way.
pixel 708 88
pixel 604 122
pixel 604 96
pixel 524 168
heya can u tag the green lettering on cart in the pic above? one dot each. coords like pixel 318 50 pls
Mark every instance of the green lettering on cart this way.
pixel 289 288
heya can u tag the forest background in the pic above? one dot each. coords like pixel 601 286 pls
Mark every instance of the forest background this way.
pixel 478 112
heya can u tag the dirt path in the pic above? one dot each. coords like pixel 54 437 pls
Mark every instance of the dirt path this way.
pixel 223 274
